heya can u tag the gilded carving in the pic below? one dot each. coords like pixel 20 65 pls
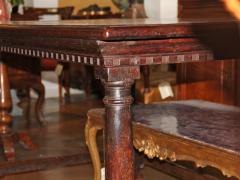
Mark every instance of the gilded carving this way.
pixel 152 150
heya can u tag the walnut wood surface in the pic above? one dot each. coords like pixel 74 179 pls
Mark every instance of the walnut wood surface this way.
pixel 122 42
pixel 110 29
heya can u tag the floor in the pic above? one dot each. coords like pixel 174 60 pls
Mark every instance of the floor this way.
pixel 83 172
pixel 62 137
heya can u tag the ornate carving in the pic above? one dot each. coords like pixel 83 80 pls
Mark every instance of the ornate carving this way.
pixel 158 145
pixel 125 74
pixel 111 60
pixel 60 56
pixel 158 58
pixel 152 150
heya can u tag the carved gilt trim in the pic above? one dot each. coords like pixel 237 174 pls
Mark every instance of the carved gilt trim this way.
pixel 165 147
pixel 152 150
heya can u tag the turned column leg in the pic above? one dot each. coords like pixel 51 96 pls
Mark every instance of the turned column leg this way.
pixel 118 140
pixel 7 137
pixel 5 117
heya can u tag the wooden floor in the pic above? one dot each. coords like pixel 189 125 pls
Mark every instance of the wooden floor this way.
pixel 61 153
pixel 83 172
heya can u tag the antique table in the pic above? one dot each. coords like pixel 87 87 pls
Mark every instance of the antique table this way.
pixel 116 48
pixel 198 131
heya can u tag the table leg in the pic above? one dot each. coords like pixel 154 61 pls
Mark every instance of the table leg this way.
pixel 118 141
pixel 7 137
pixel 5 117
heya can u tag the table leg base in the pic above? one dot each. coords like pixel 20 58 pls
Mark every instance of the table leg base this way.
pixel 8 147
pixel 8 141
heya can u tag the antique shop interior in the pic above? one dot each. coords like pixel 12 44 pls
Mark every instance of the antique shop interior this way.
pixel 119 89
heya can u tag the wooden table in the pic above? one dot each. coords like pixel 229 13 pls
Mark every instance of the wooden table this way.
pixel 192 130
pixel 116 48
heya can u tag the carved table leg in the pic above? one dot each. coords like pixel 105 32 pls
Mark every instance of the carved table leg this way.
pixel 119 154
pixel 95 123
pixel 24 139
pixel 118 140
pixel 8 147
pixel 5 117
pixel 6 135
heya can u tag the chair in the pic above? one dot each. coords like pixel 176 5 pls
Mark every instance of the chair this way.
pixel 23 78
pixel 48 64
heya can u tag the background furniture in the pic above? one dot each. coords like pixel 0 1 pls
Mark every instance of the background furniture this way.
pixel 64 12
pixel 47 64
pixel 183 130
pixel 200 9
pixel 219 79
pixel 26 76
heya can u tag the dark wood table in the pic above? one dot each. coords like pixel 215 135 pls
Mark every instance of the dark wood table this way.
pixel 117 49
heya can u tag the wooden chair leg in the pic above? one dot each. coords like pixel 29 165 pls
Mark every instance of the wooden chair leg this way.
pixel 139 164
pixel 38 87
pixel 67 81
pixel 40 90
pixel 60 86
pixel 25 103
pixel 28 108
pixel 94 125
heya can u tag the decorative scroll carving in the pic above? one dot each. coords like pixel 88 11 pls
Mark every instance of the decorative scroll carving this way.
pixel 152 150
pixel 150 144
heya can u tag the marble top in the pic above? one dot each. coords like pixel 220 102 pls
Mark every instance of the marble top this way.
pixel 200 121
